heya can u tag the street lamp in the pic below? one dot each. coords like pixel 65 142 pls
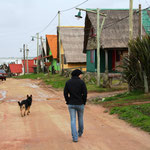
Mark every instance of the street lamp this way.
pixel 79 15
pixel 99 30
pixel 32 38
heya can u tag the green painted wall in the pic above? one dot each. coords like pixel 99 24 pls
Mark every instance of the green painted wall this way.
pixel 53 62
pixel 91 67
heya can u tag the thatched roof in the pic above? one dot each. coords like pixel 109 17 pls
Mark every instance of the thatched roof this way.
pixel 115 32
pixel 72 41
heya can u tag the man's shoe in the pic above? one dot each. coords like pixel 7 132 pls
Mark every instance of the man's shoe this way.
pixel 80 135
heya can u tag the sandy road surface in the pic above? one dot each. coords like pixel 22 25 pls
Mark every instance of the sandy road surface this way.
pixel 48 125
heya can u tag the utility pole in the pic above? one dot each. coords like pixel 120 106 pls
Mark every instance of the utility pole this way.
pixel 130 30
pixel 146 89
pixel 140 22
pixel 42 54
pixel 37 52
pixel 60 72
pixel 99 30
pixel 24 58
pixel 130 22
pixel 27 52
pixel 98 47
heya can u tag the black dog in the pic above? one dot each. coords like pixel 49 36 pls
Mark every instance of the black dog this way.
pixel 25 105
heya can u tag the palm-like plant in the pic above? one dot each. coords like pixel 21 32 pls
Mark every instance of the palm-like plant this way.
pixel 136 67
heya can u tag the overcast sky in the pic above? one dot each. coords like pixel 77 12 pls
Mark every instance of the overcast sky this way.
pixel 21 19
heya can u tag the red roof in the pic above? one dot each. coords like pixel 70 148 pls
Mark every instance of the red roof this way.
pixel 30 65
pixel 15 68
pixel 52 42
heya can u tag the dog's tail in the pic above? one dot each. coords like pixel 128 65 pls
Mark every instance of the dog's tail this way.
pixel 19 103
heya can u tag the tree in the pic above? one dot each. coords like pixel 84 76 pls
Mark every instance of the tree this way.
pixel 136 67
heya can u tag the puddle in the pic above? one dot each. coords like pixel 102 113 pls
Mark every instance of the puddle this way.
pixel 12 100
pixel 39 100
pixel 44 95
pixel 31 85
pixel 3 93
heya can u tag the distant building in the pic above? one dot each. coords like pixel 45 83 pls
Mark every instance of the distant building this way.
pixel 31 65
pixel 16 69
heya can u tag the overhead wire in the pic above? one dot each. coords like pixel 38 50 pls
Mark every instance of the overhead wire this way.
pixel 74 6
pixel 61 11
pixel 57 15
pixel 119 20
pixel 113 23
pixel 49 23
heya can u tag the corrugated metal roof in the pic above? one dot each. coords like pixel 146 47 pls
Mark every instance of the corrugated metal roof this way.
pixel 72 41
pixel 52 42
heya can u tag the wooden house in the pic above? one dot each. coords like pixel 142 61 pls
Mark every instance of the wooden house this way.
pixel 72 55
pixel 114 38
pixel 51 51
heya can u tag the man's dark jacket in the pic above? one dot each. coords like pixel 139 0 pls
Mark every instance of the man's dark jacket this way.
pixel 75 91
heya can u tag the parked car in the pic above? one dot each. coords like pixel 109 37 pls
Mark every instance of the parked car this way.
pixel 3 74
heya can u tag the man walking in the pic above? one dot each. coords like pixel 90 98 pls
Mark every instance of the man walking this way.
pixel 75 93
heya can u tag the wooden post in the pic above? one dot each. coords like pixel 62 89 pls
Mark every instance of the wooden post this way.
pixel 106 61
pixel 42 47
pixel 130 22
pixel 24 58
pixel 130 30
pixel 98 47
pixel 146 89
pixel 27 50
pixel 140 21
pixel 60 72
pixel 37 52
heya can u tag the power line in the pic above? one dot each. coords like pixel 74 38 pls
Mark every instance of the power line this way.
pixel 49 23
pixel 111 24
pixel 61 11
pixel 74 6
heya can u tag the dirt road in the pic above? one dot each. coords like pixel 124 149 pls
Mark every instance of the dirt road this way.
pixel 48 125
